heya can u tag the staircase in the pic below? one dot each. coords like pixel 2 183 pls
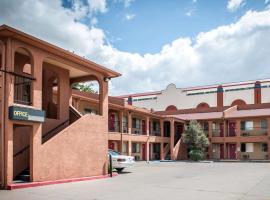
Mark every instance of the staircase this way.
pixel 176 150
pixel 24 176
pixel 22 173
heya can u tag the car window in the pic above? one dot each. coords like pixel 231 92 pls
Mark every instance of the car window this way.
pixel 114 153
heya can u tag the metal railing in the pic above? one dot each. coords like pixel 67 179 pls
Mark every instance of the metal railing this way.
pixel 231 132
pixel 254 131
pixel 22 89
pixel 156 132
pixel 217 132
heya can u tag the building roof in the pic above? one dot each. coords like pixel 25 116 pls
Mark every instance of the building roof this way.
pixel 248 113
pixel 224 85
pixel 7 31
pixel 198 116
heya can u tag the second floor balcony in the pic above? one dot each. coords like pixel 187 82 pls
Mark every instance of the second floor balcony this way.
pixel 254 131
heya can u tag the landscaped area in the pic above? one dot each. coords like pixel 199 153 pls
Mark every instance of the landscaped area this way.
pixel 164 180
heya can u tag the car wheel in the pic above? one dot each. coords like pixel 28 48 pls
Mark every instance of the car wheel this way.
pixel 119 169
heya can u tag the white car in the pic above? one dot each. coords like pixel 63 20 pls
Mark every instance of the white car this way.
pixel 119 161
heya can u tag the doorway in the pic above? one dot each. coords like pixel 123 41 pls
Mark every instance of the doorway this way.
pixel 21 152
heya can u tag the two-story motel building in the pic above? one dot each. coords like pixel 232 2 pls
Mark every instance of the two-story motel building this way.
pixel 50 131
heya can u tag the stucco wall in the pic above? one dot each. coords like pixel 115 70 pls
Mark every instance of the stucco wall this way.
pixel 265 95
pixel 81 151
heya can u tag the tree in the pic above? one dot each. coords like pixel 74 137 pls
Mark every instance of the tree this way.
pixel 196 140
pixel 84 87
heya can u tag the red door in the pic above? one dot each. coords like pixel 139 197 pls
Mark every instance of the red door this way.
pixel 221 125
pixel 111 145
pixel 111 122
pixel 143 127
pixel 143 152
pixel 232 129
pixel 232 151
pixel 221 149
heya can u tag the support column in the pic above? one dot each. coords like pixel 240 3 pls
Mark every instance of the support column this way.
pixel 225 150
pixel 161 122
pixel 268 136
pixel 129 122
pixel 238 151
pixel 210 131
pixel 147 122
pixel 162 151
pixel 172 138
pixel 2 117
pixel 35 138
pixel 121 130
pixel 129 148
pixel 147 150
pixel 225 128
pixel 238 128
pixel 104 102
pixel 8 129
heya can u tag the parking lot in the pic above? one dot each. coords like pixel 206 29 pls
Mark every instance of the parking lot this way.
pixel 166 180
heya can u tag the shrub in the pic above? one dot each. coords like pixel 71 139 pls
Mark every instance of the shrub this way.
pixel 196 155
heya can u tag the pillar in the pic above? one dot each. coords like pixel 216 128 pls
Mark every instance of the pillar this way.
pixel 104 102
pixel 161 122
pixel 238 128
pixel 147 150
pixel 268 136
pixel 36 136
pixel 257 93
pixel 220 96
pixel 210 131
pixel 225 132
pixel 238 150
pixel 121 130
pixel 147 123
pixel 129 148
pixel 8 129
pixel 172 138
pixel 129 122
pixel 162 151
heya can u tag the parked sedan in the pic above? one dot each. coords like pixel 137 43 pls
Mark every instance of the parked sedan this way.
pixel 119 161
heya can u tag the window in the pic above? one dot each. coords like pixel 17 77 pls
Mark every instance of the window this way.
pixel 264 147
pixel 135 148
pixel 135 123
pixel 89 111
pixel 249 147
pixel 247 125
pixel 263 124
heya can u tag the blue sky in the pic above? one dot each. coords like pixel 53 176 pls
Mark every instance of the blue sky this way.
pixel 153 43
pixel 158 22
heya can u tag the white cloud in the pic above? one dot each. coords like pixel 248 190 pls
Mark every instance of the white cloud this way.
pixel 233 5
pixel 239 51
pixel 266 1
pixel 129 17
pixel 189 13
pixel 97 5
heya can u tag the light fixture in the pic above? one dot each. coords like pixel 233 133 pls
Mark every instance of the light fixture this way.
pixel 106 79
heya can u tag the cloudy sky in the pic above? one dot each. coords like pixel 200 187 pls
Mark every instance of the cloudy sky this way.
pixel 155 42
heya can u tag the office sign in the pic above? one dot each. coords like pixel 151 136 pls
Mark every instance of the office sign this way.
pixel 26 114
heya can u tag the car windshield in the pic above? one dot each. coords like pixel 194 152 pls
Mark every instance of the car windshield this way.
pixel 114 153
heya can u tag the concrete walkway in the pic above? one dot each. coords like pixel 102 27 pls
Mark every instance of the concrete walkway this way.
pixel 158 181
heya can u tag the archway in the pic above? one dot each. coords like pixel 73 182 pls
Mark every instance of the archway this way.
pixel 238 102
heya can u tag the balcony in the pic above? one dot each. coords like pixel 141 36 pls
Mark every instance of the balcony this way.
pixel 254 131
pixel 217 133
pixel 156 132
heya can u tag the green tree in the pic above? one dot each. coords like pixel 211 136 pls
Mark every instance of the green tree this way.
pixel 84 87
pixel 196 140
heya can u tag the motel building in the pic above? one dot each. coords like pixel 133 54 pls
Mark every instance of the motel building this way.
pixel 51 131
